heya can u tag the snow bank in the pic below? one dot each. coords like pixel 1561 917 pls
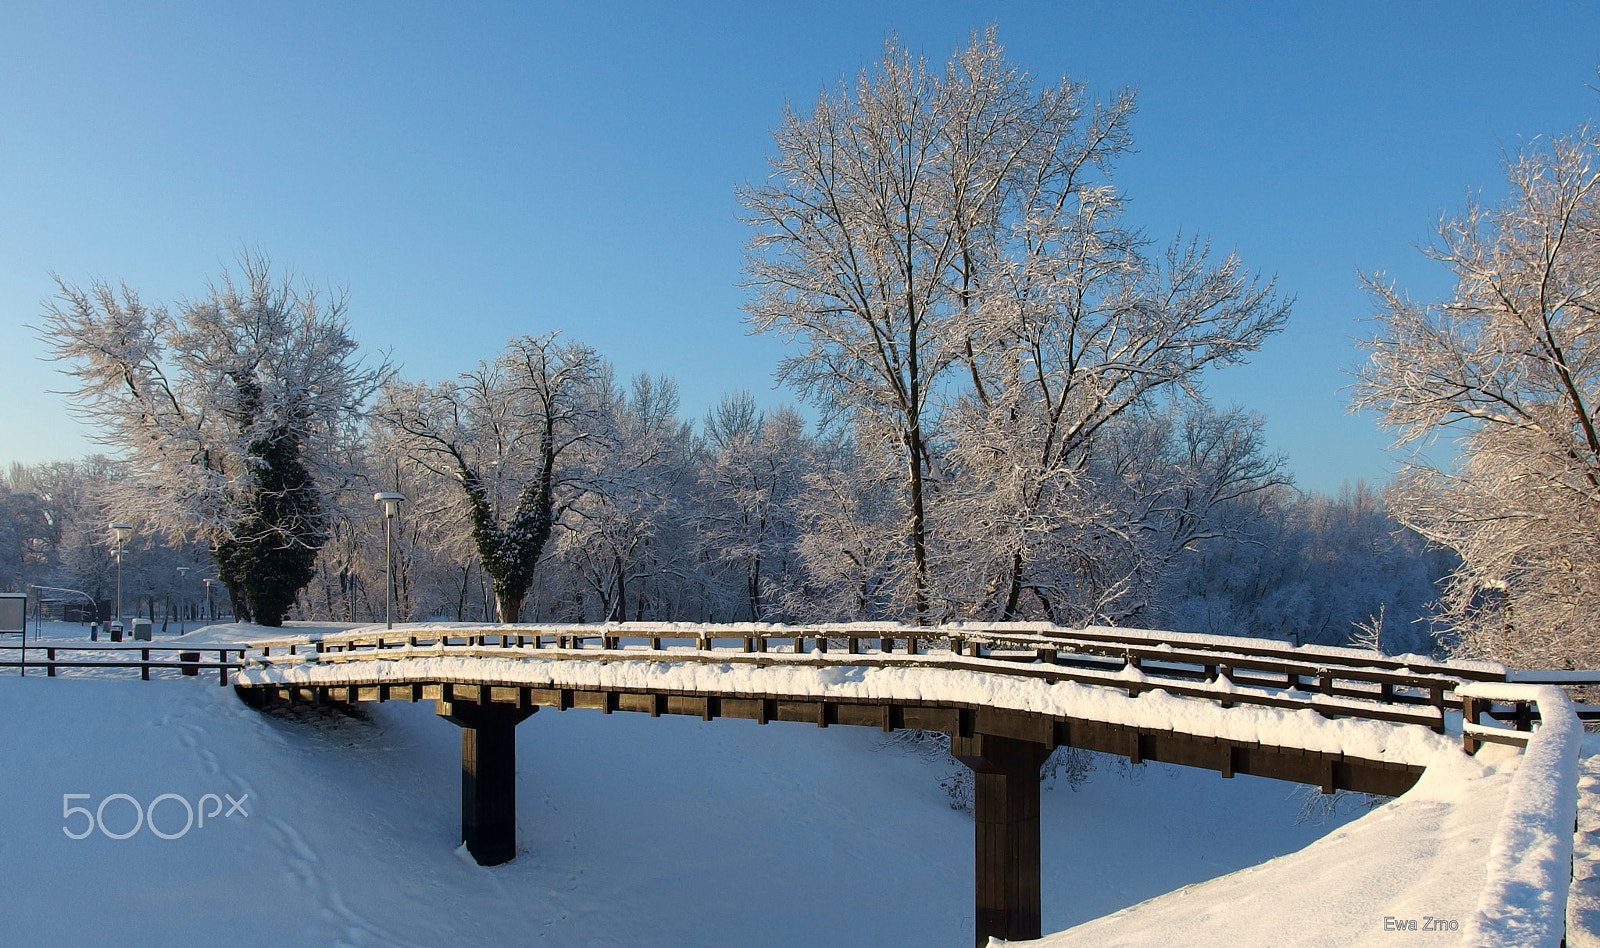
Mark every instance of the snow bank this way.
pixel 1399 875
pixel 1524 901
pixel 1583 901
pixel 792 676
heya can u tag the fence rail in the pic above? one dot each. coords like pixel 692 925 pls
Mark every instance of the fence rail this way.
pixel 186 659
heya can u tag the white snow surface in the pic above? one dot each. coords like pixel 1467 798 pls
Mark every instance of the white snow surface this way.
pixel 672 831
pixel 633 831
pixel 1417 857
pixel 1583 906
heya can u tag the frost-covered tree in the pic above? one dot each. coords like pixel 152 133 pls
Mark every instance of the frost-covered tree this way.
pixel 1311 569
pixel 948 250
pixel 753 475
pixel 854 555
pixel 505 435
pixel 632 542
pixel 226 412
pixel 1161 486
pixel 864 233
pixel 1506 372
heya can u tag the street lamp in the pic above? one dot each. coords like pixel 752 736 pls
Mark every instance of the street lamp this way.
pixel 183 573
pixel 120 533
pixel 391 508
pixel 211 614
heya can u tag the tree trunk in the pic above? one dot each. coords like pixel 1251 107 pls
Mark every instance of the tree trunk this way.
pixel 508 605
pixel 753 589
pixel 1015 594
pixel 919 545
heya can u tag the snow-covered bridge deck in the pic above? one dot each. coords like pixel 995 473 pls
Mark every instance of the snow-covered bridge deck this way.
pixel 1007 694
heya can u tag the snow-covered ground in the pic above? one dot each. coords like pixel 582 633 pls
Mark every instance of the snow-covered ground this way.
pixel 639 831
pixel 1421 856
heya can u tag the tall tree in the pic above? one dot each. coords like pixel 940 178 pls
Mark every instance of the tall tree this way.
pixel 1506 371
pixel 864 241
pixel 752 480
pixel 227 412
pixel 631 541
pixel 952 240
pixel 502 434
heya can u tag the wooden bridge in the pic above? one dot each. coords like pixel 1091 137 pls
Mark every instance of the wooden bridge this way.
pixel 1006 694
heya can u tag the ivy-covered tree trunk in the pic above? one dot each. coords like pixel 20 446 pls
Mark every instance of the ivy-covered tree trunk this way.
pixel 510 553
pixel 272 553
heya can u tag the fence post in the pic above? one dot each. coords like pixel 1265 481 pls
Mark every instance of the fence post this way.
pixel 1470 709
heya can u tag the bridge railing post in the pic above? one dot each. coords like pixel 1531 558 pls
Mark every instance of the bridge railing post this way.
pixel 1471 708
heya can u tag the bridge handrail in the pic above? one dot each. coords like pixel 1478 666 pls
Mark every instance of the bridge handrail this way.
pixel 1532 848
pixel 1019 635
pixel 1331 706
pixel 1224 684
pixel 1212 662
pixel 1029 634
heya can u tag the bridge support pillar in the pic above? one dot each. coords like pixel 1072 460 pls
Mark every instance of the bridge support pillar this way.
pixel 1005 775
pixel 488 777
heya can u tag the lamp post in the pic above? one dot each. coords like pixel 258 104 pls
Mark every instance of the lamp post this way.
pixel 391 508
pixel 183 573
pixel 211 614
pixel 120 533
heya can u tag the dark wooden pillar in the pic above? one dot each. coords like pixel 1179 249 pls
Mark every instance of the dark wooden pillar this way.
pixel 488 777
pixel 1006 833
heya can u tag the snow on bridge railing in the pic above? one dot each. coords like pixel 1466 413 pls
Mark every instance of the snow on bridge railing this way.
pixel 1335 682
pixel 1524 901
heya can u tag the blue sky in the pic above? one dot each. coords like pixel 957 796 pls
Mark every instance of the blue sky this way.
pixel 470 172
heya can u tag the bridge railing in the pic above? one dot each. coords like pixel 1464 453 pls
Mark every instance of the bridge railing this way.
pixel 1227 670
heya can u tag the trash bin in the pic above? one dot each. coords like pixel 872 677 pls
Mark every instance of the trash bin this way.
pixel 142 629
pixel 116 631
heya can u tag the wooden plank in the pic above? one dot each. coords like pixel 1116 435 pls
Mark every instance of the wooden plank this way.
pixel 924 718
pixel 857 715
pixel 642 703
